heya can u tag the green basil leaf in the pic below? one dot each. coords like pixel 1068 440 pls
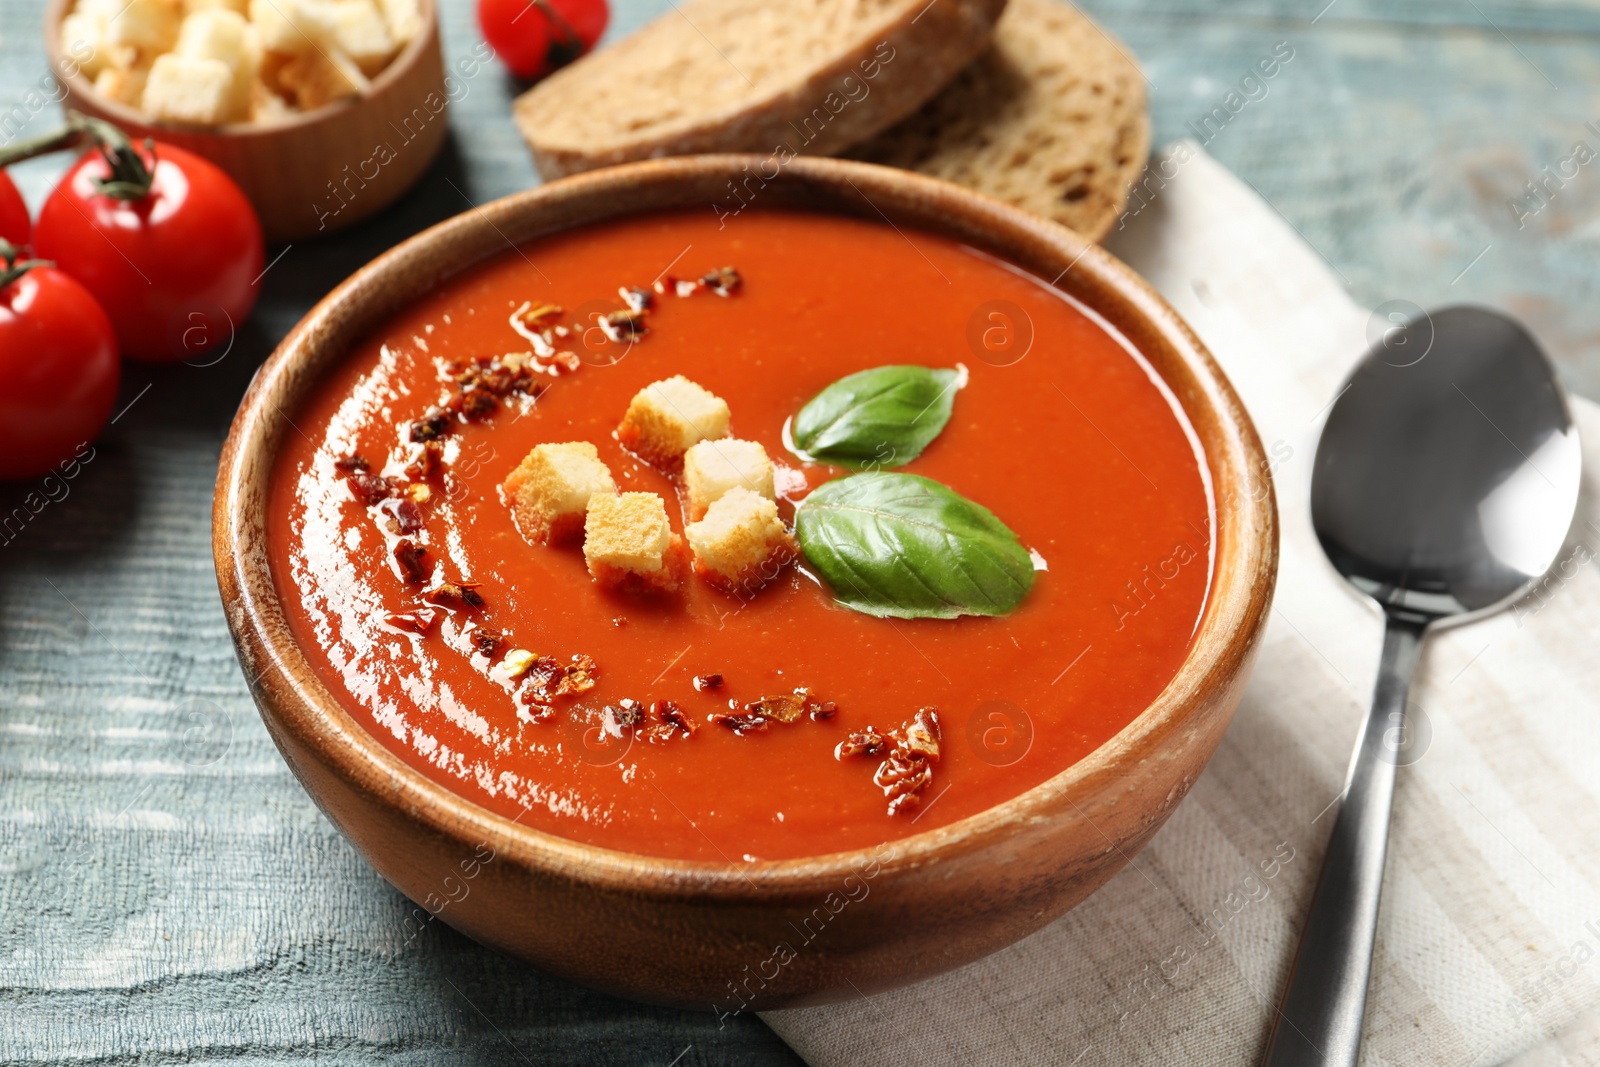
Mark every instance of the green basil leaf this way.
pixel 905 546
pixel 883 417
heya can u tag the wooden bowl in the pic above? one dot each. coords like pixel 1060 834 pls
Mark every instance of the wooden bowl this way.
pixel 704 934
pixel 316 173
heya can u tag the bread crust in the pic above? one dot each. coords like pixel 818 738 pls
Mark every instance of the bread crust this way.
pixel 1051 118
pixel 926 44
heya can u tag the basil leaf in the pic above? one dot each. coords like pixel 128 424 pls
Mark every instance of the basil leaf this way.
pixel 905 546
pixel 882 417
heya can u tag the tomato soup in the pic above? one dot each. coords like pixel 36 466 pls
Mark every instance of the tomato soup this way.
pixel 1058 427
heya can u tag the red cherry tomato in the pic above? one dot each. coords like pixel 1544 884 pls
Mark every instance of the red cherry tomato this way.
pixel 534 37
pixel 58 371
pixel 14 224
pixel 175 267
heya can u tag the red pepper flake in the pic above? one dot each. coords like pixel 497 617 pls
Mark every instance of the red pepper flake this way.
pixel 706 682
pixel 622 716
pixel 419 621
pixel 350 464
pixel 407 516
pixel 741 724
pixel 432 426
pixel 413 560
pixel 454 595
pixel 908 770
pixel 550 678
pixel 723 281
pixel 486 641
pixel 785 707
pixel 824 711
pixel 531 707
pixel 620 621
pixel 427 463
pixel 478 405
pixel 671 716
pixel 539 316
pixel 370 488
pixel 625 325
pixel 868 742
pixel 637 299
pixel 903 777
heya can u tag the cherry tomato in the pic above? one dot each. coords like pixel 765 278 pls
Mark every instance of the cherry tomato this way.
pixel 58 369
pixel 166 242
pixel 14 224
pixel 534 37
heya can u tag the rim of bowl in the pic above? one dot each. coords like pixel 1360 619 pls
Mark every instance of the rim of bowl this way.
pixel 124 114
pixel 1245 572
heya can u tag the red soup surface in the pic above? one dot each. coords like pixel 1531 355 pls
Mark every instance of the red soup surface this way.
pixel 1060 429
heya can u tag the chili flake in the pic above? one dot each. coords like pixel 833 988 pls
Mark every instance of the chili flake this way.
pixel 413 561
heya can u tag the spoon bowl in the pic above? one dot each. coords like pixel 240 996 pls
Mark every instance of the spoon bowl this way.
pixel 1447 473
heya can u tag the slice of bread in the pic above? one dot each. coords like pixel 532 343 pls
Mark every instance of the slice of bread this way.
pixel 783 77
pixel 1051 118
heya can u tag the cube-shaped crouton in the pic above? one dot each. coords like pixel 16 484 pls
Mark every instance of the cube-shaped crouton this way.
pixel 665 418
pixel 226 36
pixel 238 7
pixel 361 32
pixel 148 25
pixel 711 468
pixel 125 85
pixel 629 545
pixel 549 492
pixel 291 26
pixel 318 78
pixel 83 37
pixel 741 544
pixel 404 18
pixel 267 106
pixel 181 89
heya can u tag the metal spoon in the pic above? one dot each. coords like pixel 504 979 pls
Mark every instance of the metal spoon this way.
pixel 1444 485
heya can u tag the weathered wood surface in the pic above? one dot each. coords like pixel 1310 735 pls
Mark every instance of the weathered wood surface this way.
pixel 167 892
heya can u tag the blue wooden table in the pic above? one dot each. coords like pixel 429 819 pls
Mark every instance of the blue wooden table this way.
pixel 167 892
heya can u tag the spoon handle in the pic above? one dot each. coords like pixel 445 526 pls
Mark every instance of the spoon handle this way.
pixel 1319 1023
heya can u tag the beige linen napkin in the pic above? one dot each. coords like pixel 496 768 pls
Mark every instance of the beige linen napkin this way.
pixel 1489 941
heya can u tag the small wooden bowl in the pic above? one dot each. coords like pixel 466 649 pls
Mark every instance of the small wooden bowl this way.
pixel 316 173
pixel 703 934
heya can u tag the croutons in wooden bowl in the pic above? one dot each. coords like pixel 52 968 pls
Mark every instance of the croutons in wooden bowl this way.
pixel 683 931
pixel 324 111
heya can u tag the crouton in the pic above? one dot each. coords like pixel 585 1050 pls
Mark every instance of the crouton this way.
pixel 148 25
pixel 629 545
pixel 318 78
pixel 125 85
pixel 83 37
pixel 549 491
pixel 267 106
pixel 290 26
pixel 183 89
pixel 238 7
pixel 225 36
pixel 665 418
pixel 404 18
pixel 711 468
pixel 361 32
pixel 741 544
